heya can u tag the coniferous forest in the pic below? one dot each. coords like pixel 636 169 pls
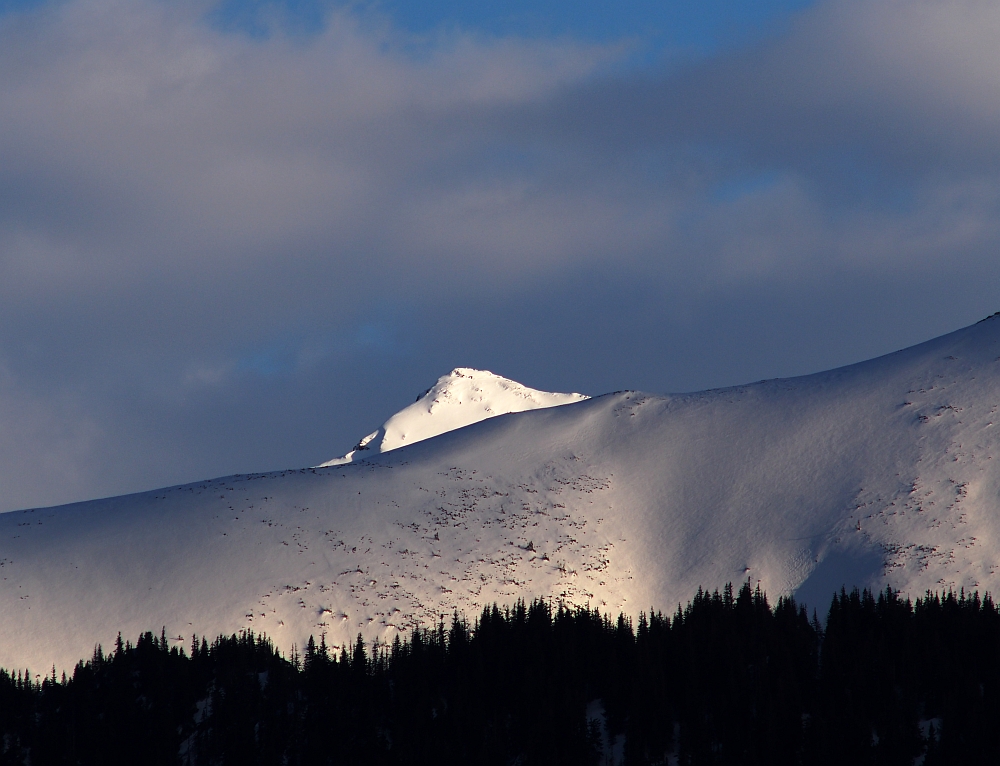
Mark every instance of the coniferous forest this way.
pixel 729 679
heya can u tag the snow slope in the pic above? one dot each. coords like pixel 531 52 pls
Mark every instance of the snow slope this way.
pixel 462 397
pixel 881 473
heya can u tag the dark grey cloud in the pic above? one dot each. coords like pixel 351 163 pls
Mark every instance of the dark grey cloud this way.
pixel 901 81
pixel 223 254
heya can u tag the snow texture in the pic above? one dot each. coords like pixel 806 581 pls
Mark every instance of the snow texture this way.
pixel 881 473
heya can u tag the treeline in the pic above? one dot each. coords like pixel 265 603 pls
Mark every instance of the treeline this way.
pixel 728 679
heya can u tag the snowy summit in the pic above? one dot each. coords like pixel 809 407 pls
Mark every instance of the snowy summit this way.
pixel 462 397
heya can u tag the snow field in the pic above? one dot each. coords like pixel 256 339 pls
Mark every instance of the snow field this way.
pixel 881 473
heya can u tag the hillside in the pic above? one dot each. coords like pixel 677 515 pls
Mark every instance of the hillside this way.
pixel 880 473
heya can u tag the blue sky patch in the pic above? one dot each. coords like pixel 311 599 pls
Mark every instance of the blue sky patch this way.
pixel 704 27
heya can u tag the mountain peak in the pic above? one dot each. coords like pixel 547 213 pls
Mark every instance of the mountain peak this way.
pixel 881 474
pixel 462 397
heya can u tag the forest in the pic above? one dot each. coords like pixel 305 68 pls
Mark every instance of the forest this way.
pixel 727 679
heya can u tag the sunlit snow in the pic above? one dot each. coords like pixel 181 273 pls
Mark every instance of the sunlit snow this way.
pixel 881 473
pixel 462 397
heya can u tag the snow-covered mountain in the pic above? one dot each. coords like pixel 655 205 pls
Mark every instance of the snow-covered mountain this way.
pixel 462 397
pixel 881 473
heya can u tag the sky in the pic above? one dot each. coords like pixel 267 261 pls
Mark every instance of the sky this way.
pixel 236 237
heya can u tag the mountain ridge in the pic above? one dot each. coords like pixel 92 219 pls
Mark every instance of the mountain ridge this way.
pixel 879 473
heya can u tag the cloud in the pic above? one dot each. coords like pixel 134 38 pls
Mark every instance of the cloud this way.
pixel 221 252
pixel 906 85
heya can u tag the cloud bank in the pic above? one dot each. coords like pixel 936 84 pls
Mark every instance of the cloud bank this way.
pixel 223 253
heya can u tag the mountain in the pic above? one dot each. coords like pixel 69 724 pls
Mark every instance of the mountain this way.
pixel 462 397
pixel 880 473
